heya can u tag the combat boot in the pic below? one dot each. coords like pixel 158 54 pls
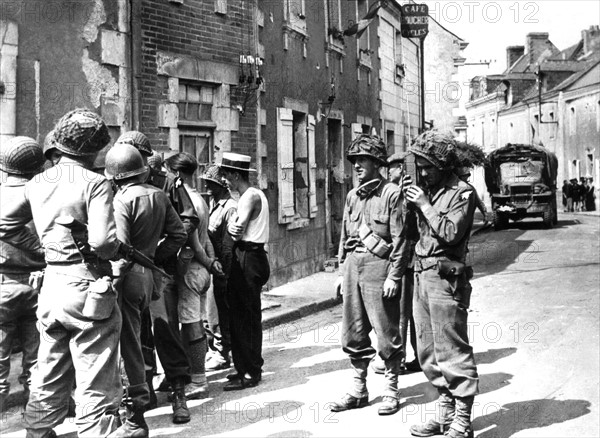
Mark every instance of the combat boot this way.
pixel 181 413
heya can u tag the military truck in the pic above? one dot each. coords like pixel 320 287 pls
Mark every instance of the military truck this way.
pixel 521 181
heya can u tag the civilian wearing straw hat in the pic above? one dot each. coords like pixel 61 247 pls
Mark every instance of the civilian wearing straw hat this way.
pixel 249 271
pixel 79 319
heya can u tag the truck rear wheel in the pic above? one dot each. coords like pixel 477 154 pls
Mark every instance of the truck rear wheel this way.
pixel 500 221
pixel 548 218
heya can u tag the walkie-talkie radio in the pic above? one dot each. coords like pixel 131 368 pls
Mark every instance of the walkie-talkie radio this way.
pixel 410 168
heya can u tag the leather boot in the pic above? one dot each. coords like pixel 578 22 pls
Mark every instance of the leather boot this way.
pixel 181 413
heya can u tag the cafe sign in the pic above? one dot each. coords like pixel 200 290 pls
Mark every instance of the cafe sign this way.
pixel 414 20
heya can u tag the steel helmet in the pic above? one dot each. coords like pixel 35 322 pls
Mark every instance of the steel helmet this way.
pixel 21 156
pixel 137 140
pixel 49 144
pixel 80 133
pixel 369 146
pixel 123 161
pixel 213 173
pixel 436 147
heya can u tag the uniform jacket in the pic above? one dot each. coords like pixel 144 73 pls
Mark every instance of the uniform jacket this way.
pixel 14 260
pixel 65 189
pixel 378 204
pixel 445 226
pixel 144 215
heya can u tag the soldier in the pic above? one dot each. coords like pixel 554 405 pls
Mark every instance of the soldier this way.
pixel 77 306
pixel 51 152
pixel 442 290
pixel 169 347
pixel 372 259
pixel 223 208
pixel 20 271
pixel 188 292
pixel 144 216
pixel 249 272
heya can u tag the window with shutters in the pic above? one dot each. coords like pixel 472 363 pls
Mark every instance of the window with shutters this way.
pixel 297 167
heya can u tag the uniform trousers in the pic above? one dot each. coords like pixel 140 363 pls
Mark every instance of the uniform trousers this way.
pixel 167 342
pixel 18 305
pixel 365 309
pixel 249 272
pixel 406 312
pixel 73 347
pixel 134 299
pixel 218 334
pixel 440 311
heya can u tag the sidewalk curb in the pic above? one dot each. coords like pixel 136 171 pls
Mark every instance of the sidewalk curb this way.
pixel 302 311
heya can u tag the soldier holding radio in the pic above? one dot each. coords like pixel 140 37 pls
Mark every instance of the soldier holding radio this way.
pixel 374 257
pixel 445 207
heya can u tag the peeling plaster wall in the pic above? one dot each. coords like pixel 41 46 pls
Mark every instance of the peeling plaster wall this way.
pixel 60 64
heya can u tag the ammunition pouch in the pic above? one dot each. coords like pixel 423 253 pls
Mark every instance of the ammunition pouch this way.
pixel 373 242
pixel 100 299
pixel 449 268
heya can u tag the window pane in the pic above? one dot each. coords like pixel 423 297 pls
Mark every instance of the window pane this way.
pixel 207 95
pixel 182 93
pixel 205 112
pixel 193 94
pixel 193 111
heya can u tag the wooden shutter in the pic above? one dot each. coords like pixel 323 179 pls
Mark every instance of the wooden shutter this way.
pixel 312 166
pixel 285 164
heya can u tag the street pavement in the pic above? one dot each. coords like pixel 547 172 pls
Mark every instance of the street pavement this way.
pixel 533 324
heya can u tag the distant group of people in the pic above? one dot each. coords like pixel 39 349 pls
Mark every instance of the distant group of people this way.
pixel 113 265
pixel 579 195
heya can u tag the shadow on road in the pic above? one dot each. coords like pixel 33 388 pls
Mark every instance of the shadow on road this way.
pixel 508 419
pixel 425 392
pixel 491 356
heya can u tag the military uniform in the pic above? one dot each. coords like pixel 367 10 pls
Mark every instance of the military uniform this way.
pixel 20 158
pixel 375 203
pixel 442 288
pixel 144 216
pixel 80 329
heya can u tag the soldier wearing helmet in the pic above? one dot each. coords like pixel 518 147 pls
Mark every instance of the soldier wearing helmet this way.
pixel 144 216
pixel 222 208
pixel 80 328
pixel 445 207
pixel 169 346
pixel 373 257
pixel 20 159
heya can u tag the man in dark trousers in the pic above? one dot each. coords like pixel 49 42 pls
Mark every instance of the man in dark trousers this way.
pixel 249 271
pixel 169 347
pixel 79 319
pixel 144 216
pixel 222 208
pixel 442 290
pixel 373 257
pixel 20 271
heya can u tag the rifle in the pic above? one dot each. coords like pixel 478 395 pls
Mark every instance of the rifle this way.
pixel 80 237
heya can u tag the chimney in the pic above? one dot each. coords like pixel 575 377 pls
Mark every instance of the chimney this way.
pixel 537 43
pixel 591 39
pixel 512 54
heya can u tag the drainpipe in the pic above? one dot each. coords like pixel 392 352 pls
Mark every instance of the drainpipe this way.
pixel 135 53
pixel 422 48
